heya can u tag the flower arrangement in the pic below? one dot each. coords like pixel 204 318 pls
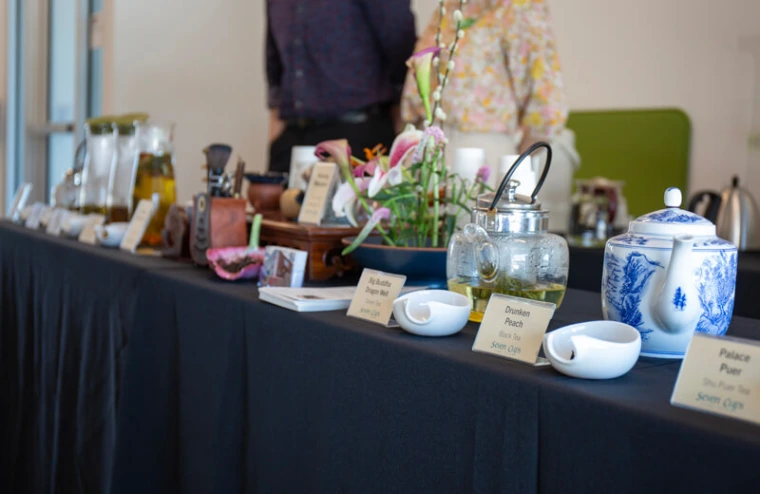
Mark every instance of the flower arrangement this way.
pixel 409 196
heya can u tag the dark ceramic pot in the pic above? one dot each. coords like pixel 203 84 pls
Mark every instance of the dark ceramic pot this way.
pixel 264 190
pixel 421 265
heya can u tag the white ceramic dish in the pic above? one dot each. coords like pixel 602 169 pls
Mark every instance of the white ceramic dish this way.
pixel 73 225
pixel 111 235
pixel 593 350
pixel 432 312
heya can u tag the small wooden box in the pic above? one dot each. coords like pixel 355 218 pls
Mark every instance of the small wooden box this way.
pixel 323 243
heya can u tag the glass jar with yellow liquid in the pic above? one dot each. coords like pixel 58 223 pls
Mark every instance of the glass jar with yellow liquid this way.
pixel 507 249
pixel 154 174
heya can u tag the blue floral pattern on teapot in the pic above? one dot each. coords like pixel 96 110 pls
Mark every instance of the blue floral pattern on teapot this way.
pixel 668 277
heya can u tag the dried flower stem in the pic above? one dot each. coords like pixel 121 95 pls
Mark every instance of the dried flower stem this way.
pixel 452 50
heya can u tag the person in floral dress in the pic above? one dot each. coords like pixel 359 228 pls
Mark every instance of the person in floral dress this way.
pixel 505 91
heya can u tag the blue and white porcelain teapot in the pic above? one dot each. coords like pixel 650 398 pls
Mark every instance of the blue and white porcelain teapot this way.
pixel 669 276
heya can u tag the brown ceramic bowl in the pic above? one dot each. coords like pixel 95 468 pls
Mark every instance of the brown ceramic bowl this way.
pixel 264 190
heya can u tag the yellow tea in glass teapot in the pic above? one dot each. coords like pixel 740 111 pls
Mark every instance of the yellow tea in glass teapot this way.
pixel 507 248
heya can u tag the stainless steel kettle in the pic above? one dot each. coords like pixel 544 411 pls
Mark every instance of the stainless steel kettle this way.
pixel 735 214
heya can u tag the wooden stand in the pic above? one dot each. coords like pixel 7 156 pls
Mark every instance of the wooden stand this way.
pixel 323 243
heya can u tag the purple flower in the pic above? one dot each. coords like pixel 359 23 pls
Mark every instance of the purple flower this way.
pixel 432 134
pixel 484 173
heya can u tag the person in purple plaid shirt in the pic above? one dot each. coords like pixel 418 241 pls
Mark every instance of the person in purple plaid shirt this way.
pixel 335 69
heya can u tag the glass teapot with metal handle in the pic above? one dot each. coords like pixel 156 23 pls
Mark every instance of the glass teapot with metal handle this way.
pixel 507 248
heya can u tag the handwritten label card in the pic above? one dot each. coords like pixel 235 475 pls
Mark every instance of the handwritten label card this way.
pixel 374 297
pixel 137 226
pixel 87 236
pixel 19 201
pixel 33 220
pixel 720 375
pixel 322 184
pixel 514 328
pixel 57 217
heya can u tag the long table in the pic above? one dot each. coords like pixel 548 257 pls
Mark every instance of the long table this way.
pixel 131 374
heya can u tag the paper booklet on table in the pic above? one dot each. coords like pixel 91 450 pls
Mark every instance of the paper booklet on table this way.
pixel 313 299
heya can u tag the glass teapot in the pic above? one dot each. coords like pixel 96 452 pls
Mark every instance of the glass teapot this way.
pixel 154 174
pixel 507 248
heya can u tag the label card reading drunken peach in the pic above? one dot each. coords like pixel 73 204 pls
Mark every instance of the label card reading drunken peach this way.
pixel 374 297
pixel 514 328
pixel 720 375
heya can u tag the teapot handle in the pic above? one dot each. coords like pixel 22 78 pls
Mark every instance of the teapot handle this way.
pixel 517 163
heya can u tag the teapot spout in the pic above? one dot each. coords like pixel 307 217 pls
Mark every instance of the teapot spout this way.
pixel 677 307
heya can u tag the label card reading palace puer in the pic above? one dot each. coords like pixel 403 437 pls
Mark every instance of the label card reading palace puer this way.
pixel 137 226
pixel 374 297
pixel 324 177
pixel 720 375
pixel 514 328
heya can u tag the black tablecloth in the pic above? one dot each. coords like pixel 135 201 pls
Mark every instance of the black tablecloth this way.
pixel 66 310
pixel 586 274
pixel 222 393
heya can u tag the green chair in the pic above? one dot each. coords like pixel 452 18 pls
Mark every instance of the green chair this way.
pixel 647 149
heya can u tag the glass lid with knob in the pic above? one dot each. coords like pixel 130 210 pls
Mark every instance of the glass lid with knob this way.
pixel 506 211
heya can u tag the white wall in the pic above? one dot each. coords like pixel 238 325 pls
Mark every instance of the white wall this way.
pixel 200 63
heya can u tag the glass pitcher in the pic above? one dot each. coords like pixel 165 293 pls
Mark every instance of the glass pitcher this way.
pixel 100 148
pixel 122 173
pixel 507 248
pixel 154 174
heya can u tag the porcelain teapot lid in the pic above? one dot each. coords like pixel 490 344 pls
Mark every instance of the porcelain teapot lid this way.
pixel 672 220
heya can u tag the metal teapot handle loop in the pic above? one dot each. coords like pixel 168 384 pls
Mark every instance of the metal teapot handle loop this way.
pixel 517 163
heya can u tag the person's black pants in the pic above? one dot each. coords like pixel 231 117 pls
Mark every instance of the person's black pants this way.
pixel 377 129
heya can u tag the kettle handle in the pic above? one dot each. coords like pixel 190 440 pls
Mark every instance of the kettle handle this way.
pixel 520 159
pixel 713 204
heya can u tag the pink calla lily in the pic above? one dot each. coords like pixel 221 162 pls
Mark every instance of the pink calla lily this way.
pixel 367 168
pixel 421 62
pixel 404 144
pixel 338 150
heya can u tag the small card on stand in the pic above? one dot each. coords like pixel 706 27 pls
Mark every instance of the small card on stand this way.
pixel 19 201
pixel 137 226
pixel 374 297
pixel 55 224
pixel 322 186
pixel 33 220
pixel 720 375
pixel 87 236
pixel 514 328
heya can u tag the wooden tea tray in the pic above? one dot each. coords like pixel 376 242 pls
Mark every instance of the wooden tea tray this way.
pixel 323 243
